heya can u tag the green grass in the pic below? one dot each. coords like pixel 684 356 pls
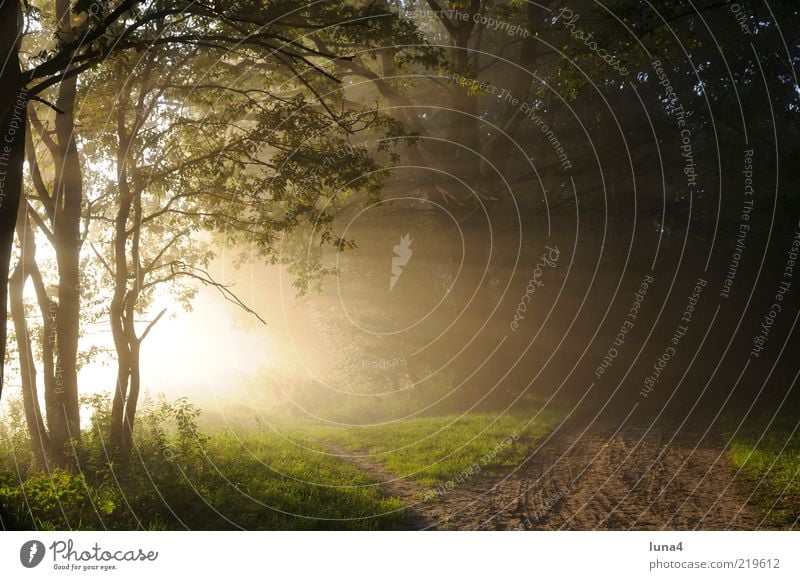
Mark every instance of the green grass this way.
pixel 435 450
pixel 183 478
pixel 773 461
pixel 280 478
pixel 257 477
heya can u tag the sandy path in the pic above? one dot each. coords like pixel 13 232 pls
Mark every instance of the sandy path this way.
pixel 598 479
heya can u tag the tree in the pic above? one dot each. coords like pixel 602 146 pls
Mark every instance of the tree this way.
pixel 264 40
pixel 208 147
pixel 25 269
pixel 251 171
pixel 86 34
pixel 13 104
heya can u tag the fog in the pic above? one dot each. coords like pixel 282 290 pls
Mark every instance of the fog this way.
pixel 519 239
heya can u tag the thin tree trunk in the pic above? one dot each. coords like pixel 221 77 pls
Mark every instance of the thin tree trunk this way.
pixel 120 393
pixel 120 263
pixel 132 300
pixel 30 395
pixel 118 331
pixel 133 394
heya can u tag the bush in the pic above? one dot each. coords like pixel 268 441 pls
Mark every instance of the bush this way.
pixel 102 487
pixel 59 500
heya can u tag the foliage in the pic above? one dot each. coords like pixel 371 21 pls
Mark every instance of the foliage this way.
pixel 50 499
pixel 180 478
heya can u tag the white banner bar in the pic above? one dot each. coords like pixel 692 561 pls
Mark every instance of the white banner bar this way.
pixel 400 555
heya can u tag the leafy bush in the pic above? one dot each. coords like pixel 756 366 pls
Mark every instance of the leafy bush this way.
pixel 59 500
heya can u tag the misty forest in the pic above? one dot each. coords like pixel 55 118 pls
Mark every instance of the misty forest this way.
pixel 399 264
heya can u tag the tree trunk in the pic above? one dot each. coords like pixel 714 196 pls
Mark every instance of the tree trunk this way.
pixel 65 410
pixel 13 124
pixel 120 264
pixel 116 315
pixel 13 105
pixel 121 345
pixel 133 394
pixel 30 395
pixel 134 342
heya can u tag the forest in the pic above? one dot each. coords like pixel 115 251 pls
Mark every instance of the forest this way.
pixel 399 264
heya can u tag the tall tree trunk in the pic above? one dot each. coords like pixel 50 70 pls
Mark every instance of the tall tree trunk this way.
pixel 120 264
pixel 131 300
pixel 133 341
pixel 63 415
pixel 30 394
pixel 12 158
pixel 13 105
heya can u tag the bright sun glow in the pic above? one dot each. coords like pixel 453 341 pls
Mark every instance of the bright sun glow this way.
pixel 196 353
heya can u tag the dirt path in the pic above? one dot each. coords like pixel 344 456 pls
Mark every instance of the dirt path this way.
pixel 587 480
pixel 405 488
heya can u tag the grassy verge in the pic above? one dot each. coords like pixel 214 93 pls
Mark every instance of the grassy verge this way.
pixel 181 478
pixel 434 450
pixel 770 459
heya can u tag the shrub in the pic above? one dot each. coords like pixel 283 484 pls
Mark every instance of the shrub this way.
pixel 59 500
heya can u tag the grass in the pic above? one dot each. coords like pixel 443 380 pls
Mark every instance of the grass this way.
pixel 770 459
pixel 182 478
pixel 435 450
pixel 264 482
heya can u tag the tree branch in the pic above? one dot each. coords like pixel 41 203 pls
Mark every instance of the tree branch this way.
pixel 206 279
pixel 151 325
